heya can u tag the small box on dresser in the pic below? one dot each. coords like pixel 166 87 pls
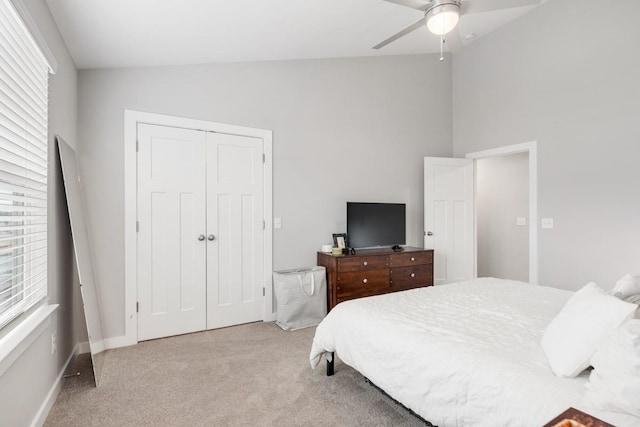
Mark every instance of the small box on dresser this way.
pixel 375 271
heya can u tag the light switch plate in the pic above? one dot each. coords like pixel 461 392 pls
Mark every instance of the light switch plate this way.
pixel 277 223
pixel 521 221
pixel 547 222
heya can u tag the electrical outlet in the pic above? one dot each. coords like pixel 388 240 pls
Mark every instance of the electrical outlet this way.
pixel 547 222
pixel 53 343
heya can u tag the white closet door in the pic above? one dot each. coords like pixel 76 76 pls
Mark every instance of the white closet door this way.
pixel 235 187
pixel 171 215
pixel 449 217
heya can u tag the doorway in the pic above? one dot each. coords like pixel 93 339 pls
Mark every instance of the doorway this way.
pixel 502 215
pixel 209 141
pixel 200 230
pixel 529 150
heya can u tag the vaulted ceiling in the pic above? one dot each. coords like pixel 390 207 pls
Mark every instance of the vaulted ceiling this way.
pixel 131 33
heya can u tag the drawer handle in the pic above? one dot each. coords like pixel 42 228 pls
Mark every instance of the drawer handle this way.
pixel 413 274
pixel 364 281
pixel 413 259
pixel 365 263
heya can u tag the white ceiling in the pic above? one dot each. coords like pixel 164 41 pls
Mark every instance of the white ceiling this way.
pixel 132 33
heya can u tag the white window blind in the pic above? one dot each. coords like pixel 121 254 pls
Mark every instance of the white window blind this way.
pixel 24 76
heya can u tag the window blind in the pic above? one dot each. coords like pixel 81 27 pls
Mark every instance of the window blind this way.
pixel 24 76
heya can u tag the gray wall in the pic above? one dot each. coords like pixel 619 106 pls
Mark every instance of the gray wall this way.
pixel 502 196
pixel 25 385
pixel 565 75
pixel 357 129
pixel 344 129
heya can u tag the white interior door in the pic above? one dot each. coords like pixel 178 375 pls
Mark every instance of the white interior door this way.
pixel 171 216
pixel 449 217
pixel 235 187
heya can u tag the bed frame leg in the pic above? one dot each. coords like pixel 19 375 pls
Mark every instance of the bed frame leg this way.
pixel 330 364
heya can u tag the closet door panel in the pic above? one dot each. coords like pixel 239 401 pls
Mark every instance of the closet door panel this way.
pixel 235 212
pixel 171 216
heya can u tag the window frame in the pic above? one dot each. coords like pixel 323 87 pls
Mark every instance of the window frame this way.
pixel 24 79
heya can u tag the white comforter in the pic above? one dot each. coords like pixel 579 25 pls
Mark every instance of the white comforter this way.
pixel 463 354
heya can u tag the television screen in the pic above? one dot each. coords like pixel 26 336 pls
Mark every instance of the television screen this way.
pixel 376 224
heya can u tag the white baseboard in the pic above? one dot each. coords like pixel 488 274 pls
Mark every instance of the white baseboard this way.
pixel 83 347
pixel 46 406
pixel 106 344
pixel 117 342
pixel 125 341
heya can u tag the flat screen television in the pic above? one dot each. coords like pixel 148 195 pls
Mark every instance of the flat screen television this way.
pixel 376 224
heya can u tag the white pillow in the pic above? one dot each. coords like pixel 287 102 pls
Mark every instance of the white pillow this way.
pixel 614 383
pixel 635 299
pixel 586 320
pixel 627 285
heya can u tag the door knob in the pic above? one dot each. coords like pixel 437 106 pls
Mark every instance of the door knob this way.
pixel 211 237
pixel 429 233
pixel 201 237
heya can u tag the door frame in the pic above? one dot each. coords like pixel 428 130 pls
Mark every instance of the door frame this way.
pixel 131 120
pixel 525 147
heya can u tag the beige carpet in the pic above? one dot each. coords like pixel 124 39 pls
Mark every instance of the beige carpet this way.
pixel 248 375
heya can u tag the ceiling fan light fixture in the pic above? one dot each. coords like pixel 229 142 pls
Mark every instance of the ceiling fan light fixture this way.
pixel 443 18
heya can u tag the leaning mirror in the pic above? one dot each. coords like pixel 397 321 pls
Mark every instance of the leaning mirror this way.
pixel 88 288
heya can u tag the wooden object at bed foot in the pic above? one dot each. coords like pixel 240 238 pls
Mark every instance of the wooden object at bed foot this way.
pixel 375 271
pixel 573 417
pixel 330 364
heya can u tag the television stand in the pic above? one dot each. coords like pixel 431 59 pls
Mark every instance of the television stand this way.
pixel 397 248
pixel 375 271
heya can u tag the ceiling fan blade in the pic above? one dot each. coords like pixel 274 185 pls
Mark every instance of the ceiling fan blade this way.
pixel 477 6
pixel 414 4
pixel 402 33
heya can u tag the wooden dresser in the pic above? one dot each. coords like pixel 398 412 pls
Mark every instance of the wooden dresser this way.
pixel 375 271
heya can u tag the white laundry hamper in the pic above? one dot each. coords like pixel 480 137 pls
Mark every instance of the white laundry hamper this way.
pixel 301 297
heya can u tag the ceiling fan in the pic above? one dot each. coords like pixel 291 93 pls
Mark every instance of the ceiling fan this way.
pixel 441 16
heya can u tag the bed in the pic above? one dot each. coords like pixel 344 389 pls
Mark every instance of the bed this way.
pixel 463 354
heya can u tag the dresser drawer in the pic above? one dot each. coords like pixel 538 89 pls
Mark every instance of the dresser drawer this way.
pixel 410 258
pixel 346 297
pixel 356 282
pixel 362 263
pixel 410 277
